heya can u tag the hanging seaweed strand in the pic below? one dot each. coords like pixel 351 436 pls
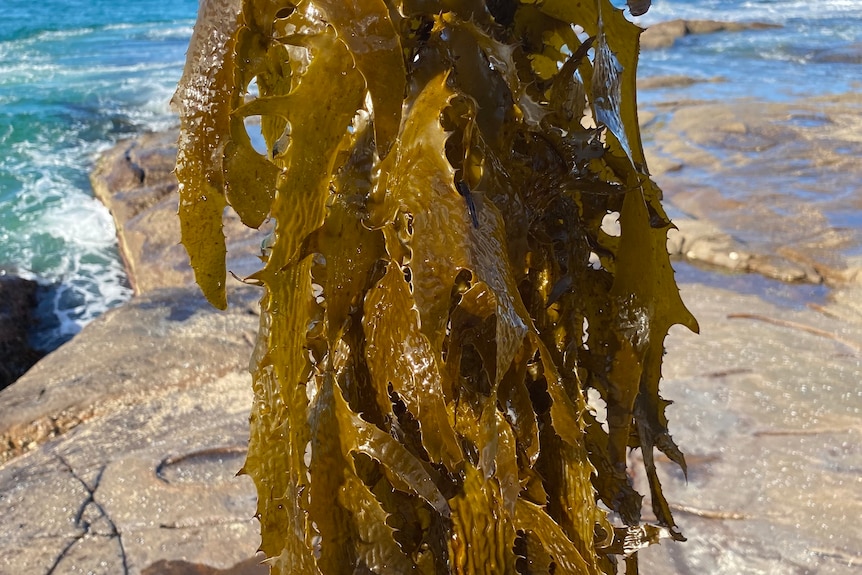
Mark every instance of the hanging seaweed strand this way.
pixel 466 246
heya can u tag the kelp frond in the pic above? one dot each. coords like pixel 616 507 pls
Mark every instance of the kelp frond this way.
pixel 466 246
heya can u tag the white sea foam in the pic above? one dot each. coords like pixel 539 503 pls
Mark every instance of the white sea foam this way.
pixel 740 10
pixel 26 70
pixel 72 105
pixel 72 244
pixel 179 32
pixel 55 35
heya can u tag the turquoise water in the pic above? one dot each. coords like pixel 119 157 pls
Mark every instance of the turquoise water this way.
pixel 78 75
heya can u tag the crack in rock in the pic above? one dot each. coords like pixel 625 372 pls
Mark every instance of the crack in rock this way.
pixel 90 515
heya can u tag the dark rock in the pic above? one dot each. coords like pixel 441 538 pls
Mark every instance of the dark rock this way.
pixel 850 54
pixel 17 306
pixel 638 7
pixel 665 34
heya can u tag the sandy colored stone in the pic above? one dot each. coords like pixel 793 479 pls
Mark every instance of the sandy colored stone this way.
pixel 665 34
pixel 135 180
pixel 767 410
pixel 161 393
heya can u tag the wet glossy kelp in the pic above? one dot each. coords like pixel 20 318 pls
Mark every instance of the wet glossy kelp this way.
pixel 467 247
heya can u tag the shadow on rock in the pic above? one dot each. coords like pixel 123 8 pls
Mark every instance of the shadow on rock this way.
pixel 17 309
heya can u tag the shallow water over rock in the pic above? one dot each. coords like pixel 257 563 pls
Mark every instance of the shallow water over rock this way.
pixel 768 413
pixel 783 179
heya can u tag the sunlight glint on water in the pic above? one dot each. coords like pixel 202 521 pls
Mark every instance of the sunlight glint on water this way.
pixel 75 77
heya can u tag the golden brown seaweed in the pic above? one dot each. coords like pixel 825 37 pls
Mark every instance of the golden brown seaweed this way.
pixel 467 244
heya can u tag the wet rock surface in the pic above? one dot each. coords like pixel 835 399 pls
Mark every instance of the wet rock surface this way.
pixel 767 410
pixel 17 310
pixel 770 188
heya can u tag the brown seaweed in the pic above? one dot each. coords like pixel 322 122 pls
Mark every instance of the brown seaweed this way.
pixel 441 292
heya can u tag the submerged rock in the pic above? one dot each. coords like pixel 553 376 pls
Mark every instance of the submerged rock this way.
pixel 671 81
pixel 776 182
pixel 848 54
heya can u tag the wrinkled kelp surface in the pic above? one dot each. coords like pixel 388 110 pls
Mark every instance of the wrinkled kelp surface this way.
pixel 467 248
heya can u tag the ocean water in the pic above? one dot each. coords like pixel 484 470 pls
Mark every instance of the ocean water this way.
pixel 75 77
pixel 815 49
pixel 78 75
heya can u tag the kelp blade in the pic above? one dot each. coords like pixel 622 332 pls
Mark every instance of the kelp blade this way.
pixel 441 296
